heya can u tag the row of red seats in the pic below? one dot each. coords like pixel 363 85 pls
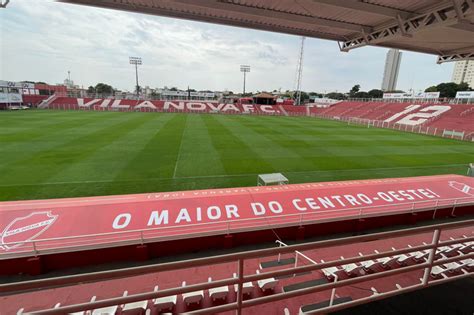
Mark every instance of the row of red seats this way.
pixel 457 117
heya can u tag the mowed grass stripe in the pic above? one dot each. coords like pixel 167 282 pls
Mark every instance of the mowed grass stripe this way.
pixel 21 129
pixel 271 144
pixel 237 156
pixel 112 157
pixel 47 139
pixel 198 156
pixel 158 157
pixel 48 162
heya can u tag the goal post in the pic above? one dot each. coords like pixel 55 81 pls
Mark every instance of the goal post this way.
pixel 271 179
pixel 470 170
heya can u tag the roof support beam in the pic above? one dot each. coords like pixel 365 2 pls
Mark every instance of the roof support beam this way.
pixel 441 16
pixel 465 26
pixel 366 8
pixel 274 14
pixel 3 4
pixel 455 57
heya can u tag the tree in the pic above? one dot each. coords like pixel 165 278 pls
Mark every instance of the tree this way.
pixel 288 94
pixel 102 88
pixel 375 93
pixel 155 95
pixel 91 90
pixel 315 95
pixel 304 96
pixel 336 96
pixel 362 94
pixel 449 89
pixel 174 89
pixel 354 90
pixel 463 86
pixel 395 91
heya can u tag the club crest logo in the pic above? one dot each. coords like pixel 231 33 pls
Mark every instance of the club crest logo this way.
pixel 468 190
pixel 25 229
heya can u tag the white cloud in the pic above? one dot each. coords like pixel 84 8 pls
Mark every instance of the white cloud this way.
pixel 42 40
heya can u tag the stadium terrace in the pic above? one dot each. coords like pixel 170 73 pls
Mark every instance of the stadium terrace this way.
pixel 114 202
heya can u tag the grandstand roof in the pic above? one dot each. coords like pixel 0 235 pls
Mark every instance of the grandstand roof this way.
pixel 264 95
pixel 444 28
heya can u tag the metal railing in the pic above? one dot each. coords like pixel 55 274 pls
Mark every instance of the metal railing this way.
pixel 44 246
pixel 240 259
pixel 420 129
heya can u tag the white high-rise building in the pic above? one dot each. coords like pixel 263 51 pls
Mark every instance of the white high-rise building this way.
pixel 464 72
pixel 390 73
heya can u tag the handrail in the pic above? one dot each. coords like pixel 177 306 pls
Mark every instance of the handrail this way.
pixel 133 271
pixel 384 295
pixel 262 253
pixel 313 217
pixel 381 124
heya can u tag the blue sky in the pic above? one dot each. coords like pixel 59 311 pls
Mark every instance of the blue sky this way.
pixel 41 40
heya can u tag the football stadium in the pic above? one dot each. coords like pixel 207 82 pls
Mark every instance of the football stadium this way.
pixel 187 202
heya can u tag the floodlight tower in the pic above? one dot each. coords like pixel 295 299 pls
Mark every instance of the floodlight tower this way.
pixel 136 61
pixel 299 72
pixel 244 69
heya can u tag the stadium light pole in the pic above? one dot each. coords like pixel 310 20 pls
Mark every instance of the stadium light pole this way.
pixel 244 69
pixel 136 61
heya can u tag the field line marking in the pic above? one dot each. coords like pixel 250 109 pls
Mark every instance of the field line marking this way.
pixel 179 150
pixel 229 175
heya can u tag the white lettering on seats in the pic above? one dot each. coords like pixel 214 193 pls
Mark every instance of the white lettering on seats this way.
pixel 196 106
pixel 231 211
pixel 157 218
pixel 168 105
pixel 105 103
pixel 248 108
pixel 267 109
pixel 116 104
pixel 408 109
pixel 215 108
pixel 146 104
pixel 232 107
pixel 117 224
pixel 80 102
pixel 422 116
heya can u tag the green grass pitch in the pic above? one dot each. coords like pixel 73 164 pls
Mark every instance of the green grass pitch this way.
pixel 52 154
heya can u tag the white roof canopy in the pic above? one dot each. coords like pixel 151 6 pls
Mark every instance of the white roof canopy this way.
pixel 444 28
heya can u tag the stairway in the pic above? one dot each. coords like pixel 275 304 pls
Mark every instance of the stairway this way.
pixel 283 110
pixel 45 103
